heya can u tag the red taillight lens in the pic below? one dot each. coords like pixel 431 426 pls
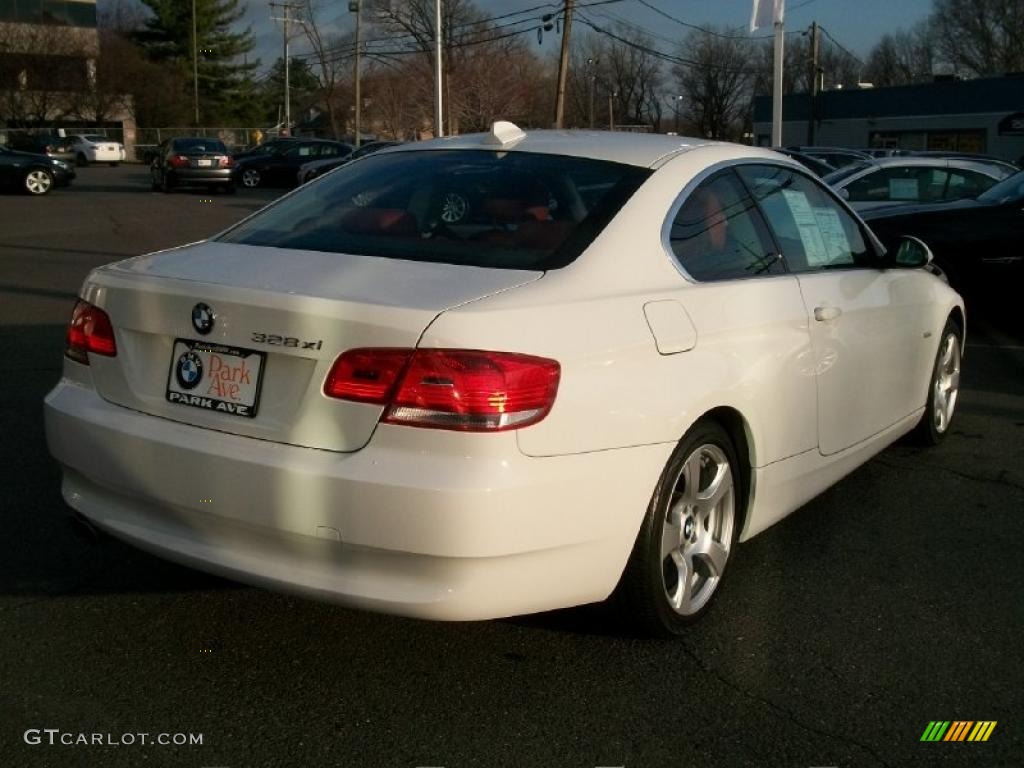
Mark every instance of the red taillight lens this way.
pixel 366 375
pixel 178 161
pixel 227 162
pixel 89 331
pixel 469 390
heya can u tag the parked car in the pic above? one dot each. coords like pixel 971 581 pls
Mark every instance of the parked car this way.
pixel 279 167
pixel 906 180
pixel 92 148
pixel 193 161
pixel 33 173
pixel 530 408
pixel 837 157
pixel 977 243
pixel 817 166
pixel 311 170
pixel 57 147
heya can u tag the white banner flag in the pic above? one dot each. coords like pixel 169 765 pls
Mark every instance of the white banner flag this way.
pixel 766 13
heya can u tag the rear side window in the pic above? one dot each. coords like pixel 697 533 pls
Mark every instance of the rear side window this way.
pixel 512 210
pixel 812 229
pixel 908 183
pixel 719 234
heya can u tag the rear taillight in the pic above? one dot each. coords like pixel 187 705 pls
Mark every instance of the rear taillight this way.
pixel 468 390
pixel 178 161
pixel 89 331
pixel 366 375
pixel 227 162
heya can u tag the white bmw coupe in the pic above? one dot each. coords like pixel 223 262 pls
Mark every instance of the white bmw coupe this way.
pixel 621 357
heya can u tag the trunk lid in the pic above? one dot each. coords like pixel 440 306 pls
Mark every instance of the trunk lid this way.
pixel 300 309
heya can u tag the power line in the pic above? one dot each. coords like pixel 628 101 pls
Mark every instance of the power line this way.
pixel 836 43
pixel 673 59
pixel 706 30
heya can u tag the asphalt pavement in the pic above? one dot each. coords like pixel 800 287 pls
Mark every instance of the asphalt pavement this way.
pixel 892 600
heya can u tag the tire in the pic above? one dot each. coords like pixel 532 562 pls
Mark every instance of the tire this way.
pixel 166 185
pixel 81 160
pixel 943 388
pixel 681 552
pixel 38 182
pixel 251 178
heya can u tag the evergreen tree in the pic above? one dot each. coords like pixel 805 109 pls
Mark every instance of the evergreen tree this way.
pixel 225 78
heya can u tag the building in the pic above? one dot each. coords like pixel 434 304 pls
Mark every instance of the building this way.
pixel 48 52
pixel 984 115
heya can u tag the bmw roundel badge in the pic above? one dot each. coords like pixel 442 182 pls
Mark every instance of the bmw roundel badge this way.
pixel 202 318
pixel 189 370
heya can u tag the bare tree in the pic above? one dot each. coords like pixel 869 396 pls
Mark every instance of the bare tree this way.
pixel 903 57
pixel 716 83
pixel 333 55
pixel 39 70
pixel 980 37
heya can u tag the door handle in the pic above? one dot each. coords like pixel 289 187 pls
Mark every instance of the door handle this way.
pixel 824 314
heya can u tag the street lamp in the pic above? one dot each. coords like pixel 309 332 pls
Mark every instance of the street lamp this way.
pixel 675 107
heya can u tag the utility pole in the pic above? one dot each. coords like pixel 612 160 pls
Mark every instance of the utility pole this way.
pixel 563 66
pixel 438 71
pixel 287 7
pixel 812 112
pixel 611 110
pixel 592 67
pixel 675 109
pixel 357 8
pixel 777 85
pixel 195 66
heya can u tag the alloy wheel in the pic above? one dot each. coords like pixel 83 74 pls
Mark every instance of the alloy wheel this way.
pixel 454 208
pixel 38 182
pixel 697 532
pixel 251 178
pixel 946 383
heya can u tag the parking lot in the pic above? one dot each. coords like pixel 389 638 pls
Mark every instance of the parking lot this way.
pixel 892 600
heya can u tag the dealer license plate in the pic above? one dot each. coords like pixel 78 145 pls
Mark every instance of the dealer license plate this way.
pixel 215 377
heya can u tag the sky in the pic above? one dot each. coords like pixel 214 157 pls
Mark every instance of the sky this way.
pixel 856 24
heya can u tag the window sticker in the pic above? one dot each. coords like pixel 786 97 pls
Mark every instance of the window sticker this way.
pixel 807 224
pixel 833 234
pixel 903 189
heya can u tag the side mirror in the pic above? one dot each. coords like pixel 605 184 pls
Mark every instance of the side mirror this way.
pixel 912 253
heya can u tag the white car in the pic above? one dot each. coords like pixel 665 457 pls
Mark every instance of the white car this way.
pixel 905 180
pixel 631 353
pixel 96 149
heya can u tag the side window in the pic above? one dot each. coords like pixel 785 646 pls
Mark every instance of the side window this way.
pixel 812 229
pixel 967 184
pixel 719 234
pixel 906 183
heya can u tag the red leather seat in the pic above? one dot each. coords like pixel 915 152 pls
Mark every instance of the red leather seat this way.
pixel 393 222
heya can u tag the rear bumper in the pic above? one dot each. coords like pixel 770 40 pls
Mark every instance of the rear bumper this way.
pixel 420 523
pixel 104 155
pixel 201 176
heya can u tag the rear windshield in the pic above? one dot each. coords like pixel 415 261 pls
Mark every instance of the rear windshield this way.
pixel 510 210
pixel 199 145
